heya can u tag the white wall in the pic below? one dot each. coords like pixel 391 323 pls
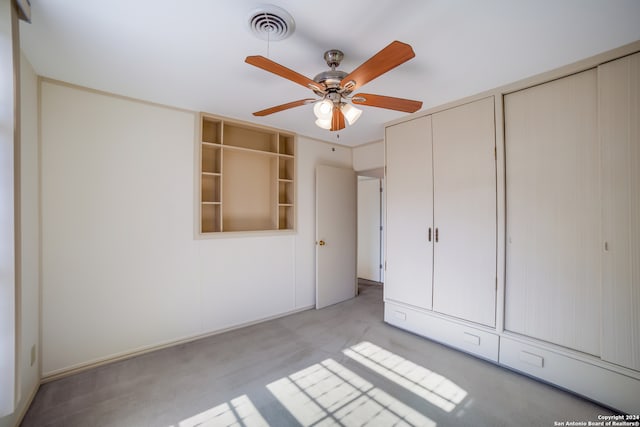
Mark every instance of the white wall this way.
pixel 8 273
pixel 30 228
pixel 121 268
pixel 29 331
pixel 368 156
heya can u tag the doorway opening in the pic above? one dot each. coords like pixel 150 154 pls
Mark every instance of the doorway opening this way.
pixel 370 235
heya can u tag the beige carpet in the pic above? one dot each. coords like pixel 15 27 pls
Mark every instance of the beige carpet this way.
pixel 338 366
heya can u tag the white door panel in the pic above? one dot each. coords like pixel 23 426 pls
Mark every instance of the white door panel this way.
pixel 553 212
pixel 336 228
pixel 409 210
pixel 619 110
pixel 464 171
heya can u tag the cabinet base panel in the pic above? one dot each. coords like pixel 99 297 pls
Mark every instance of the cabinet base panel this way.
pixel 594 382
pixel 597 383
pixel 466 338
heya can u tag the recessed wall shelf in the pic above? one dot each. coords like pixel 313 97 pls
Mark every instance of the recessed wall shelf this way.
pixel 246 177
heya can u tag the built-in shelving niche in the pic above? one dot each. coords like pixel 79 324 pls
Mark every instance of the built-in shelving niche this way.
pixel 247 177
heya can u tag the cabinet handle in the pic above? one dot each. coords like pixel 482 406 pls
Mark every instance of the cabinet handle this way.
pixel 436 234
pixel 429 233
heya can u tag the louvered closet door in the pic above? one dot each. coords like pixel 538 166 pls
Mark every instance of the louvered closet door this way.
pixel 464 274
pixel 553 213
pixel 409 210
pixel 619 122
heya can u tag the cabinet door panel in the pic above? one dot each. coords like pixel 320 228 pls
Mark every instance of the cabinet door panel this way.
pixel 619 123
pixel 553 213
pixel 409 254
pixel 464 283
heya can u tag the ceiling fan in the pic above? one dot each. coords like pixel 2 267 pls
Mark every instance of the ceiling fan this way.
pixel 335 86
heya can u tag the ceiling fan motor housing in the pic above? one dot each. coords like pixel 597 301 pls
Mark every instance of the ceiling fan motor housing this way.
pixel 330 79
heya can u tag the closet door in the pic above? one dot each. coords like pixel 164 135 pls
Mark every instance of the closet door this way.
pixel 464 275
pixel 553 213
pixel 619 123
pixel 409 247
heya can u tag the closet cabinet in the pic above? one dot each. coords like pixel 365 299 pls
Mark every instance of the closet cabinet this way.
pixel 553 212
pixel 558 202
pixel 573 212
pixel 619 130
pixel 572 288
pixel 409 223
pixel 441 212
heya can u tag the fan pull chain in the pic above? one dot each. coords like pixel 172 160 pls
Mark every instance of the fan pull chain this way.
pixel 269 29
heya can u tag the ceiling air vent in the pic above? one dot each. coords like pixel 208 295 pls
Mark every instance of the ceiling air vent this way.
pixel 272 23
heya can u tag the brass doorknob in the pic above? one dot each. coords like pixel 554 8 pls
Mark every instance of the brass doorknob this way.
pixel 322 243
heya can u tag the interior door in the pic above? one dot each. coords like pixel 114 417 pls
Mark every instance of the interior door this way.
pixel 336 226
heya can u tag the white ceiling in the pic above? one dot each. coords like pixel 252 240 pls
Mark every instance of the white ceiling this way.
pixel 190 53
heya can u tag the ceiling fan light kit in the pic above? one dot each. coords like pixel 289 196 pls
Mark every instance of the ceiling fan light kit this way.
pixel 324 123
pixel 351 113
pixel 323 109
pixel 335 86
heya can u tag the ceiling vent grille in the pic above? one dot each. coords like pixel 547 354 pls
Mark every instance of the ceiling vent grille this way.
pixel 272 23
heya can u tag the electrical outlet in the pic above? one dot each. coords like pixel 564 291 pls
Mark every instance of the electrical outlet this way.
pixel 33 354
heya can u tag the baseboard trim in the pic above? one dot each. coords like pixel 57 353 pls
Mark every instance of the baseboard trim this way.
pixel 65 372
pixel 362 281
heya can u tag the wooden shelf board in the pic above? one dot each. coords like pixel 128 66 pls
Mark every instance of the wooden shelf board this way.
pixel 251 150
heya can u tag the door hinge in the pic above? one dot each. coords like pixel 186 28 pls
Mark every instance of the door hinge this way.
pixel 496 284
pixel 495 153
pixel 380 228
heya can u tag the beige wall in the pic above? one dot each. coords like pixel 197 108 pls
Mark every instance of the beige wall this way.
pixel 368 156
pixel 121 269
pixel 8 221
pixel 29 328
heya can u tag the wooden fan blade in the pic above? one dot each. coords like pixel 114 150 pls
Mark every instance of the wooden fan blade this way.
pixel 388 58
pixel 337 120
pixel 275 68
pixel 282 107
pixel 389 102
